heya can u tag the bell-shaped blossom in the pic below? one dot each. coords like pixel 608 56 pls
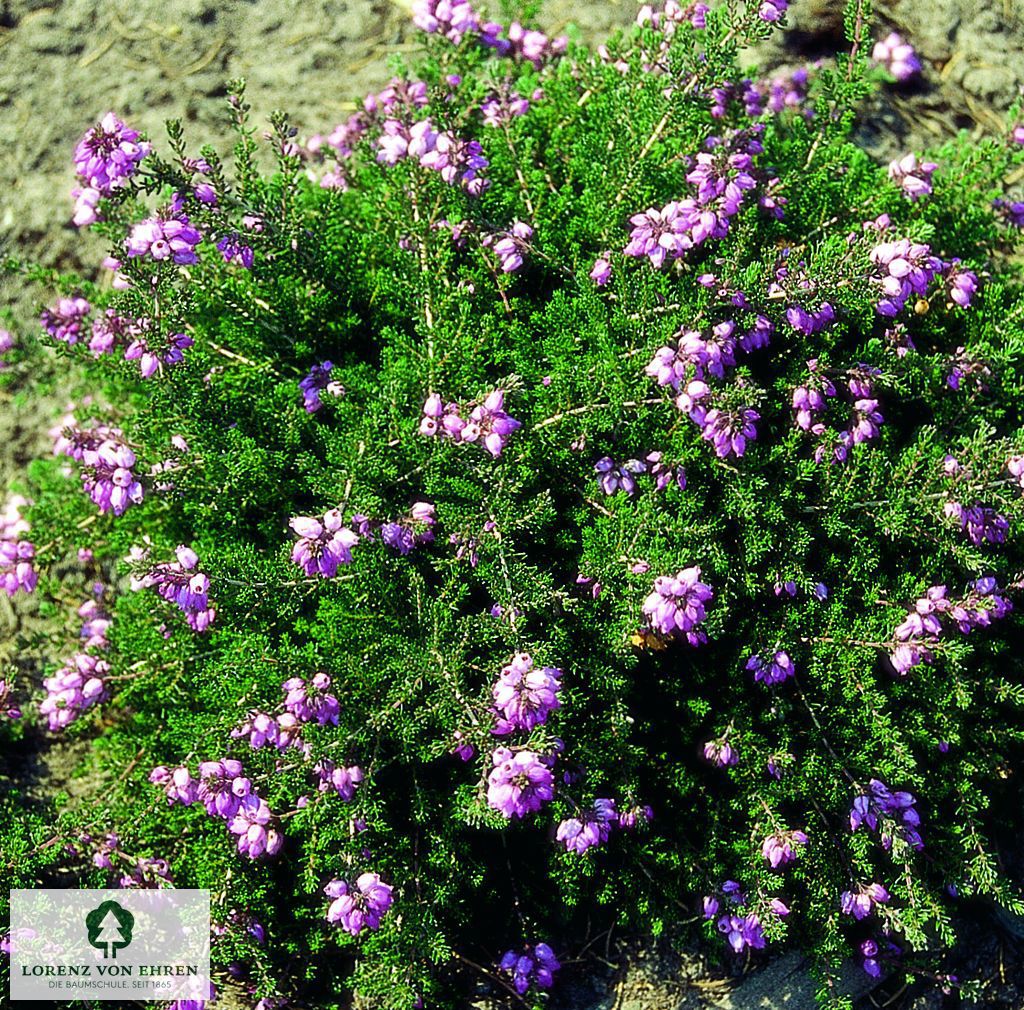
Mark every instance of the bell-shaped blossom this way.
pixel 524 694
pixel 535 964
pixel 519 783
pixel 676 605
pixel 324 544
pixel 361 905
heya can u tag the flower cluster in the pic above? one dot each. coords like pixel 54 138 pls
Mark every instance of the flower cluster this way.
pixel 721 175
pixel 893 811
pixel 166 237
pixel 897 57
pixel 344 781
pixel 318 381
pixel 721 753
pixel 105 158
pixel 615 477
pixel 676 605
pixel 519 783
pixel 179 582
pixel 860 903
pixel 742 931
pixel 323 544
pixel 417 530
pixel 227 794
pixel 361 905
pixel 106 466
pixel 488 422
pixel 535 965
pixel 589 828
pixel 17 571
pixel 150 360
pixel 982 524
pixel 771 670
pixel 781 848
pixel 65 321
pixel 912 176
pixel 698 356
pixel 502 107
pixel 809 399
pixel 456 20
pixel 73 689
pixel 511 246
pixel 457 161
pixel 902 269
pixel 524 694
pixel 304 702
pixel 918 635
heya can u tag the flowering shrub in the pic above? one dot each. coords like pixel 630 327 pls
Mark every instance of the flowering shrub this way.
pixel 579 484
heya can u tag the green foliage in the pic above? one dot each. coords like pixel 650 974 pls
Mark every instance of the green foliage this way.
pixel 371 279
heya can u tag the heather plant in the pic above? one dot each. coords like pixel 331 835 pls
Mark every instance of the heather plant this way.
pixel 582 487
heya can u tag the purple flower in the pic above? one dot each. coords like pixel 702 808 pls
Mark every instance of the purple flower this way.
pixel 323 544
pixel 405 535
pixel 663 234
pixel 676 605
pixel 16 569
pixel 109 154
pixel 107 467
pixel 729 430
pixel 525 695
pixel 178 785
pixel 536 965
pixel 453 20
pixel 912 176
pixel 860 903
pixel 344 781
pixel 780 849
pixel 162 238
pixel 896 56
pixel 590 828
pixel 893 810
pixel 311 702
pixel 222 787
pixel 179 583
pixel 361 905
pixel 983 525
pixel 601 271
pixel 867 421
pixel 772 10
pixel 902 268
pixel 742 932
pixel 86 202
pixel 316 382
pixel 512 245
pixel 488 422
pixel 235 250
pixel 614 478
pixel 720 753
pixel 256 828
pixel 65 320
pixel 151 361
pixel 73 689
pixel 961 285
pixel 775 670
pixel 519 783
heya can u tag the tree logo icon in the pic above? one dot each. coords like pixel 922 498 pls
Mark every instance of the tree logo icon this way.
pixel 109 928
